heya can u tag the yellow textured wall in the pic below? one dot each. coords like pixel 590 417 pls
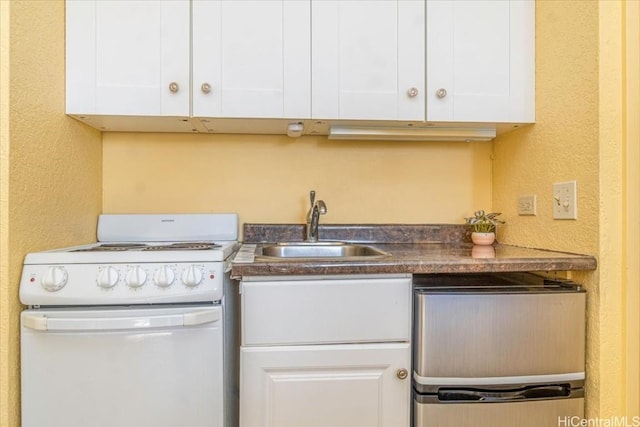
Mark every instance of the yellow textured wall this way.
pixel 632 217
pixel 6 371
pixel 563 144
pixel 610 237
pixel 578 136
pixel 51 176
pixel 268 178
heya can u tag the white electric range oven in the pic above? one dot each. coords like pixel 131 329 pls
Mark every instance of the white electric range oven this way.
pixel 138 329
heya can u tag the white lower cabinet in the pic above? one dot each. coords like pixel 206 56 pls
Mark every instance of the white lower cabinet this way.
pixel 325 351
pixel 352 385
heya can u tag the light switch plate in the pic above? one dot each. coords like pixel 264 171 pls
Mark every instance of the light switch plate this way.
pixel 565 201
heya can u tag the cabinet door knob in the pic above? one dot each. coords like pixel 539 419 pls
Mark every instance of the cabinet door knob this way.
pixel 206 87
pixel 402 373
pixel 173 87
pixel 441 93
pixel 412 92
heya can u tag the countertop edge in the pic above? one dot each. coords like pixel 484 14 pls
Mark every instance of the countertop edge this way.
pixel 422 263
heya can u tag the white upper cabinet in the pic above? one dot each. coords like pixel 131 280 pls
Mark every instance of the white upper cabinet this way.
pixel 128 58
pixel 208 65
pixel 252 59
pixel 480 61
pixel 368 59
pixel 133 64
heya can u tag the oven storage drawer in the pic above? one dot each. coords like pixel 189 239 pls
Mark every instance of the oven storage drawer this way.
pixel 326 310
pixel 535 413
pixel 461 337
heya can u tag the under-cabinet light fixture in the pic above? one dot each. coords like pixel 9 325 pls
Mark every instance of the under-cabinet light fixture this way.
pixel 411 134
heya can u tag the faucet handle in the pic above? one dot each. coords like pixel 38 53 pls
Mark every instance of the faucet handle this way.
pixel 312 196
pixel 322 208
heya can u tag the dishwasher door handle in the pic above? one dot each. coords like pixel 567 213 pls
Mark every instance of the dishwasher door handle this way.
pixel 42 322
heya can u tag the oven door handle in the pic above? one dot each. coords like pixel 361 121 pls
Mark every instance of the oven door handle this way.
pixel 41 322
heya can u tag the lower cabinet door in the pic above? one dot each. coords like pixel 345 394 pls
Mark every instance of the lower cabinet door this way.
pixel 356 385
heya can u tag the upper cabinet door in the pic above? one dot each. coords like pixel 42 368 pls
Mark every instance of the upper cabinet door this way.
pixel 480 61
pixel 368 59
pixel 128 57
pixel 252 58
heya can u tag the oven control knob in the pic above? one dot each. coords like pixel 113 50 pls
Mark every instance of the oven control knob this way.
pixel 108 277
pixel 54 279
pixel 192 276
pixel 136 277
pixel 164 277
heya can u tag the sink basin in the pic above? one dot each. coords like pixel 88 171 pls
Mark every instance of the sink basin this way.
pixel 338 250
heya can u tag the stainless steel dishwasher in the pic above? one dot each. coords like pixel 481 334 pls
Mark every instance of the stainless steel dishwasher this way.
pixel 494 350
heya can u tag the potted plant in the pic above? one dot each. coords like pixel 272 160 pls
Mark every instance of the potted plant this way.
pixel 484 227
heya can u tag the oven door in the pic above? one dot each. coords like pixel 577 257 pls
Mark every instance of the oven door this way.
pixel 152 367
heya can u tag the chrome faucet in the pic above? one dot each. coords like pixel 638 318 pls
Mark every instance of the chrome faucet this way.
pixel 313 217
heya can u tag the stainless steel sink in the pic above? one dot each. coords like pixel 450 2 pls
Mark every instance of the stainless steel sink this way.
pixel 301 250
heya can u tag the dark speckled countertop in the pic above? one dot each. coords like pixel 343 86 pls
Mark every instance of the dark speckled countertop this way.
pixel 412 249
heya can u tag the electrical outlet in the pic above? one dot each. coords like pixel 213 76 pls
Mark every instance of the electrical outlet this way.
pixel 565 201
pixel 527 205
